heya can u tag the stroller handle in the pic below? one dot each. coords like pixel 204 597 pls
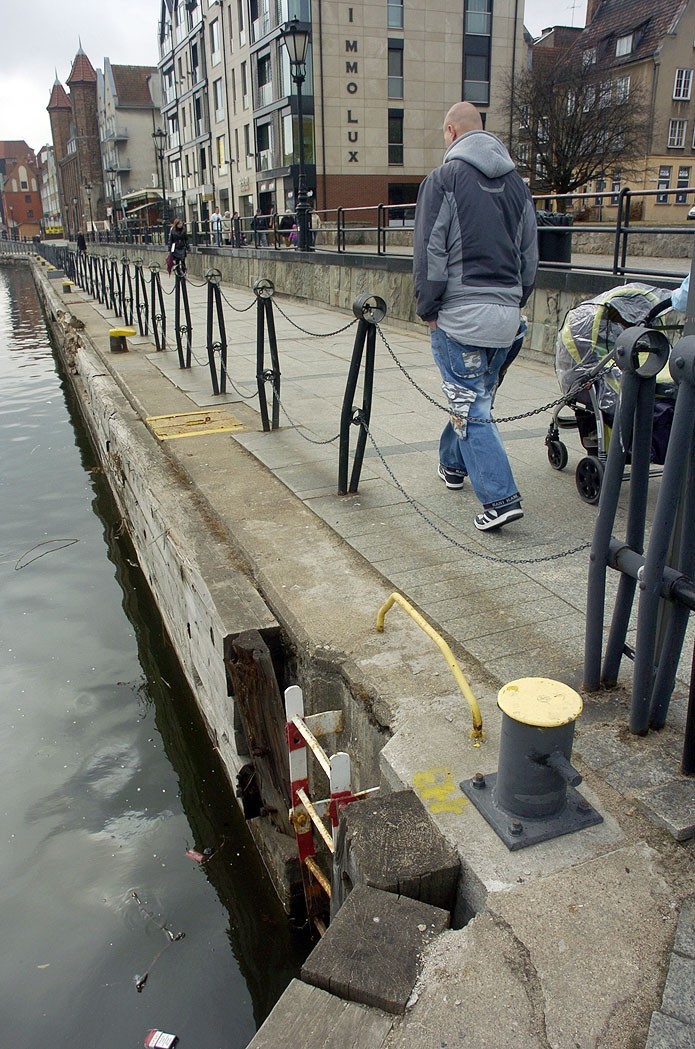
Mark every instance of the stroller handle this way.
pixel 660 307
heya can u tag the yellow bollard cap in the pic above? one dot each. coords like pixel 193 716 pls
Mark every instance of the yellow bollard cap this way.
pixel 539 702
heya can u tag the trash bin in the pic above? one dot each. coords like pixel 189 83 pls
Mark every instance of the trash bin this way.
pixel 553 245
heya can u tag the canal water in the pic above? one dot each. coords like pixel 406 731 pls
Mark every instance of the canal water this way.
pixel 106 775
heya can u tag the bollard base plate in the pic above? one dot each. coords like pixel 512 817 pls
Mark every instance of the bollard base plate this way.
pixel 575 815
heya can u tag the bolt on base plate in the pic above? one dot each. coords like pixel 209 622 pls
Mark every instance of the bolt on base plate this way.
pixel 518 832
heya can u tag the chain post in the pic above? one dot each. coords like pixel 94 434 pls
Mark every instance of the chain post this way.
pixel 264 290
pixel 369 310
pixel 214 306
pixel 181 293
pixel 159 319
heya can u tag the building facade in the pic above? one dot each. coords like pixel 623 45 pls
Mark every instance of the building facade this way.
pixel 21 196
pixel 128 115
pixel 380 78
pixel 52 225
pixel 647 52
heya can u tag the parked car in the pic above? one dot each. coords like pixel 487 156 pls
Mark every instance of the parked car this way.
pixel 691 213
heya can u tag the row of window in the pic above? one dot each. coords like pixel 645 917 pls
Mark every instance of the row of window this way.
pixel 677 134
pixel 664 183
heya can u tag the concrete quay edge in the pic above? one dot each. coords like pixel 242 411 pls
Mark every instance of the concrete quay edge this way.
pixel 571 941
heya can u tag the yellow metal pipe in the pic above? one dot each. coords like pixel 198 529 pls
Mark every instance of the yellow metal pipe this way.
pixel 321 878
pixel 398 599
pixel 315 818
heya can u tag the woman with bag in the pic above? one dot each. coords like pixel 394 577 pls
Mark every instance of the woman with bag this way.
pixel 178 246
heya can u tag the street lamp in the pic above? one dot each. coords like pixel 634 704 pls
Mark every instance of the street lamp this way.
pixel 88 191
pixel 112 172
pixel 159 139
pixel 74 215
pixel 295 37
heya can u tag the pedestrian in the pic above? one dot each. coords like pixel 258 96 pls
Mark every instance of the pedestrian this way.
pixel 238 239
pixel 285 226
pixel 81 242
pixel 679 296
pixel 216 227
pixel 475 261
pixel 259 225
pixel 178 245
pixel 227 228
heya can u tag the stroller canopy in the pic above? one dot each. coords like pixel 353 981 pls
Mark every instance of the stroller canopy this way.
pixel 590 331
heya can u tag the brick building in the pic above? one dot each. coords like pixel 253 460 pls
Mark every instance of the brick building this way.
pixel 20 195
pixel 75 132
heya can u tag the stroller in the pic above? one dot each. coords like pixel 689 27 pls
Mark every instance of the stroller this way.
pixel 591 382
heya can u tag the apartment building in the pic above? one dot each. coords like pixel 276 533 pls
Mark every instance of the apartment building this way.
pixel 650 47
pixel 50 199
pixel 20 196
pixel 380 77
pixel 128 100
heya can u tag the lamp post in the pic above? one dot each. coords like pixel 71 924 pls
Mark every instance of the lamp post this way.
pixel 88 191
pixel 295 37
pixel 112 172
pixel 13 228
pixel 159 139
pixel 75 223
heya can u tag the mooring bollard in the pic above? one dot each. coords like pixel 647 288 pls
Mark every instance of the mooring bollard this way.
pixel 117 338
pixel 532 797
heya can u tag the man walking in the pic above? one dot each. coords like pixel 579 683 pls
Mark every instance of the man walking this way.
pixel 475 261
pixel 216 227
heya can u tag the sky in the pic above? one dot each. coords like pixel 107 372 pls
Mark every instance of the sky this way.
pixel 44 38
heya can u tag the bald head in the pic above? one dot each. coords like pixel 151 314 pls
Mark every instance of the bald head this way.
pixel 461 118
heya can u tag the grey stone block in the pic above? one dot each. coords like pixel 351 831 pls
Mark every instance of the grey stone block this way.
pixel 667 1033
pixel 679 992
pixel 685 933
pixel 672 806
pixel 372 950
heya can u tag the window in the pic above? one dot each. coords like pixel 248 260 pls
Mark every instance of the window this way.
pixel 588 57
pixel 218 99
pixel 395 69
pixel 221 154
pixel 683 84
pixel 615 187
pixel 27 196
pixel 478 17
pixel 394 14
pixel 663 183
pixel 265 80
pixel 600 186
pixel 476 84
pixel 244 86
pixel 683 183
pixel 604 94
pixel 287 139
pixel 622 89
pixel 264 144
pixel 215 41
pixel 242 24
pixel 624 45
pixel 395 136
pixel 522 154
pixel 195 65
pixel 248 145
pixel 524 116
pixel 676 134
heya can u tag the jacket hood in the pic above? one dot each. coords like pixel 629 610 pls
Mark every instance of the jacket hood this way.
pixel 484 151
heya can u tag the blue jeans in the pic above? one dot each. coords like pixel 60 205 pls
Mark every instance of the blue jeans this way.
pixel 470 375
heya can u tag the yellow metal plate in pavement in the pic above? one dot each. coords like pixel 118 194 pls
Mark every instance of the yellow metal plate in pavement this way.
pixel 193 424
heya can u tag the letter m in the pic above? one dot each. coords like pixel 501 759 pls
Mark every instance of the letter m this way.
pixel 351 45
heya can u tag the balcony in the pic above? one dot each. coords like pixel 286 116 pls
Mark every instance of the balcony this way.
pixel 119 134
pixel 261 27
pixel 265 95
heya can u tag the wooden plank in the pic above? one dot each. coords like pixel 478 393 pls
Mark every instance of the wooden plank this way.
pixel 261 710
pixel 313 1019
pixel 373 948
pixel 388 841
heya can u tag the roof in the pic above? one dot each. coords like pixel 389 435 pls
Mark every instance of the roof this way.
pixel 651 20
pixel 16 150
pixel 131 85
pixel 59 98
pixel 82 71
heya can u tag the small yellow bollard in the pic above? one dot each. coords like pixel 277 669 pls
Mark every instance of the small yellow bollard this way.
pixel 118 338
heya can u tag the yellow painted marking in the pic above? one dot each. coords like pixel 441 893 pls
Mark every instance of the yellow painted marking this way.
pixel 122 331
pixel 193 424
pixel 437 789
pixel 540 702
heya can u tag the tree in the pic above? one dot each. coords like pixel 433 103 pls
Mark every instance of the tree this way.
pixel 576 121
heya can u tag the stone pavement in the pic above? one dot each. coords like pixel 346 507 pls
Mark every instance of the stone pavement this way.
pixel 509 611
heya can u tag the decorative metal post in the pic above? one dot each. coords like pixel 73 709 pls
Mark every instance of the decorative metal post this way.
pixel 295 37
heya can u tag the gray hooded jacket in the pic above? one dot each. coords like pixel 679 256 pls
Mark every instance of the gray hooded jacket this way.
pixel 475 243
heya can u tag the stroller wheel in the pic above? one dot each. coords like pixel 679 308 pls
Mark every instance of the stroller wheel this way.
pixel 589 478
pixel 557 455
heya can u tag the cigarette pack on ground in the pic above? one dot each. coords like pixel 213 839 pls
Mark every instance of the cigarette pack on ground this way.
pixel 160 1040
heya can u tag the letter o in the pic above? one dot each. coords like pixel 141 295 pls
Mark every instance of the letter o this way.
pixel 352 88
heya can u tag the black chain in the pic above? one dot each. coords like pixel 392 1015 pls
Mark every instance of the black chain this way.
pixel 461 546
pixel 565 398
pixel 295 425
pixel 238 309
pixel 314 334
pixel 230 380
